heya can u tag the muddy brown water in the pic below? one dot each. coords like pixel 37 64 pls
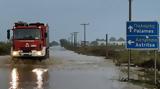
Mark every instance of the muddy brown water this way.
pixel 64 70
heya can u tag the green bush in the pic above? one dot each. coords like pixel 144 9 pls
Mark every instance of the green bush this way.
pixel 5 48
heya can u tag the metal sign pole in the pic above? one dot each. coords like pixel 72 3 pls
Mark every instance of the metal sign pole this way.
pixel 155 68
pixel 129 63
pixel 130 18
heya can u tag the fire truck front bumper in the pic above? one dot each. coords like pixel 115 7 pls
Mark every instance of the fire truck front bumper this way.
pixel 28 54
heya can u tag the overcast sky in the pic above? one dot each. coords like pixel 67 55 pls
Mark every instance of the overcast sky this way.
pixel 65 16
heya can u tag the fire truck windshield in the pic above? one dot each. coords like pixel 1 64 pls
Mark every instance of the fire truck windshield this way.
pixel 27 34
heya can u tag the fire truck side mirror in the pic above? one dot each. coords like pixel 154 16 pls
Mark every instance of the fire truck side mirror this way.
pixel 46 35
pixel 8 34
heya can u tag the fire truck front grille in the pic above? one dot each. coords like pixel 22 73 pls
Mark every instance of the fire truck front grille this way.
pixel 27 50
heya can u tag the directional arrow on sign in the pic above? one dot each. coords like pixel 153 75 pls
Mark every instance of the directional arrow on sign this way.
pixel 130 42
pixel 147 37
pixel 130 28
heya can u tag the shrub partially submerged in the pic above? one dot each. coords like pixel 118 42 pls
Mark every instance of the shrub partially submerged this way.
pixel 5 48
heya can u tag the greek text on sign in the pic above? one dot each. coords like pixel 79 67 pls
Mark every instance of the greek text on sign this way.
pixel 142 42
pixel 142 35
pixel 142 28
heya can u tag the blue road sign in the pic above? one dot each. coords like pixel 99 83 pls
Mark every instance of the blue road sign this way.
pixel 144 42
pixel 142 35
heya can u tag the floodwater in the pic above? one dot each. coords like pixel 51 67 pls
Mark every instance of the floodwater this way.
pixel 64 70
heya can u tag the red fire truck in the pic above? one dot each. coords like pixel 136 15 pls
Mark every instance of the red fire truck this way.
pixel 29 40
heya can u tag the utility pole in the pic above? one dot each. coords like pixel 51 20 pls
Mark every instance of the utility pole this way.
pixel 84 32
pixel 106 45
pixel 75 38
pixel 72 39
pixel 68 40
pixel 130 19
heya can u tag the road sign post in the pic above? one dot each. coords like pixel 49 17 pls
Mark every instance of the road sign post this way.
pixel 143 36
pixel 155 68
pixel 130 18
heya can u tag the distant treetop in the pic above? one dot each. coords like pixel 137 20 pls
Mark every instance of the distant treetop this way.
pixel 112 39
pixel 121 39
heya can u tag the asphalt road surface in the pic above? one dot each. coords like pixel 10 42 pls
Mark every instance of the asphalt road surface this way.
pixel 64 70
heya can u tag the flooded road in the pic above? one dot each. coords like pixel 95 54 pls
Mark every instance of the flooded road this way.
pixel 64 70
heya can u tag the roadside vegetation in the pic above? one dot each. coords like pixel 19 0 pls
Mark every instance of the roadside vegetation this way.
pixel 53 43
pixel 119 54
pixel 5 48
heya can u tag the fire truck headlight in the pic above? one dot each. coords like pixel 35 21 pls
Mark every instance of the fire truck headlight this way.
pixel 39 53
pixel 15 53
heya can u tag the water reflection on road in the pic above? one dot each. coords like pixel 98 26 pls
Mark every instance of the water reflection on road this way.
pixel 39 73
pixel 14 79
pixel 28 77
